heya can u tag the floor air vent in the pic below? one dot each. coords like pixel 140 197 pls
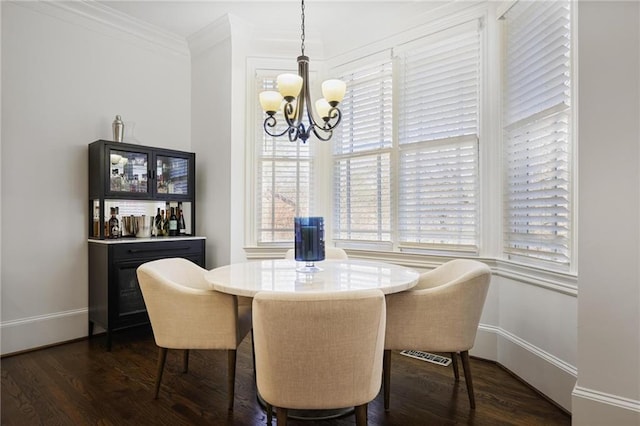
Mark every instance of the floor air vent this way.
pixel 426 356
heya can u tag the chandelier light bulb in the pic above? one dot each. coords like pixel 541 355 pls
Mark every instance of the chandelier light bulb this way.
pixel 333 91
pixel 289 86
pixel 323 107
pixel 270 101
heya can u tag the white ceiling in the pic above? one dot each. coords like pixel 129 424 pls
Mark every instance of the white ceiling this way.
pixel 331 20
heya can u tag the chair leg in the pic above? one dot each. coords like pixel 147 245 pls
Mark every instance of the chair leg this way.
pixel 386 377
pixel 281 414
pixel 361 415
pixel 185 361
pixel 467 377
pixel 253 355
pixel 162 357
pixel 269 408
pixel 454 363
pixel 231 375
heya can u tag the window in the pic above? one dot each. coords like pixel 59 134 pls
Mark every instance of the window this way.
pixel 536 120
pixel 433 160
pixel 362 157
pixel 438 140
pixel 283 178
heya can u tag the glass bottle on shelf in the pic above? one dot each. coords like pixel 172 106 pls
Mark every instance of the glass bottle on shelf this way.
pixel 158 223
pixel 116 180
pixel 96 222
pixel 114 225
pixel 173 223
pixel 119 221
pixel 181 224
pixel 164 224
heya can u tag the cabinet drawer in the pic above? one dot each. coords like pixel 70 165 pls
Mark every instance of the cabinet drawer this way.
pixel 158 250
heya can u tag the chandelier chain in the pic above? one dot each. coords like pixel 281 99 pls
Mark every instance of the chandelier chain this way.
pixel 302 27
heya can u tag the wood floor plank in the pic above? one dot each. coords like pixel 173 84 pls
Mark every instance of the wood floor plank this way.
pixel 80 383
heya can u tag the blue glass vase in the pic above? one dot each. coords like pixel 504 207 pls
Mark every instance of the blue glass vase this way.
pixel 309 242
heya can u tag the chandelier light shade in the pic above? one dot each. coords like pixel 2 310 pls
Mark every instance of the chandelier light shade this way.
pixel 293 98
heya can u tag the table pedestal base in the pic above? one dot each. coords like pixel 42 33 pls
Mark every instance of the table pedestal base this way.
pixel 311 414
pixel 319 414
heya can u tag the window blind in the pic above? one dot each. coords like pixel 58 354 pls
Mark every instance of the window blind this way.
pixel 536 117
pixel 438 189
pixel 438 140
pixel 362 159
pixel 283 178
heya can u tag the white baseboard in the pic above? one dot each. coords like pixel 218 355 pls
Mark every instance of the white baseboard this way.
pixel 545 372
pixel 592 407
pixel 34 332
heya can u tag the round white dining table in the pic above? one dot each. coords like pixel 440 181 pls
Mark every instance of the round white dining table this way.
pixel 249 278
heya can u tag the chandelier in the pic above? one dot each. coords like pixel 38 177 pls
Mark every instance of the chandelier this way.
pixel 294 90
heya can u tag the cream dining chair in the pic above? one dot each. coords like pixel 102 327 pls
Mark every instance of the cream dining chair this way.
pixel 186 314
pixel 440 314
pixel 318 351
pixel 329 253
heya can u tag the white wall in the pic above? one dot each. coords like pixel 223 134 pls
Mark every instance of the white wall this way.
pixel 242 40
pixel 0 164
pixel 211 133
pixel 536 336
pixel 64 78
pixel 608 387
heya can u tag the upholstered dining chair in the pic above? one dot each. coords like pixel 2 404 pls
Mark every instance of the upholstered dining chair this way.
pixel 329 253
pixel 186 314
pixel 440 314
pixel 318 351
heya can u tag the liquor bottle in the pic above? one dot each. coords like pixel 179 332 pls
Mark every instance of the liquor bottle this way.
pixel 173 223
pixel 165 224
pixel 182 226
pixel 158 223
pixel 96 222
pixel 119 222
pixel 114 225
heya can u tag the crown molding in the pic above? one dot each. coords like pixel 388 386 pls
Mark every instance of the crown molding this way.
pixel 87 13
pixel 211 35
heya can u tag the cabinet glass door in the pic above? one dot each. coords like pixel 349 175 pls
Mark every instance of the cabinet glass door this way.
pixel 129 296
pixel 172 175
pixel 128 171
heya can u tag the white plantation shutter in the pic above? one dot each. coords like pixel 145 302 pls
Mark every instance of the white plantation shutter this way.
pixel 438 195
pixel 438 140
pixel 283 178
pixel 362 198
pixel 362 158
pixel 537 127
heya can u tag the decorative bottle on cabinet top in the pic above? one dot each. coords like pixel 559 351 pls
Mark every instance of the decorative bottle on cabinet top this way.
pixel 118 129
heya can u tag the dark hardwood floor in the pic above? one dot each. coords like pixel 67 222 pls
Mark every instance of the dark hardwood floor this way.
pixel 80 383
